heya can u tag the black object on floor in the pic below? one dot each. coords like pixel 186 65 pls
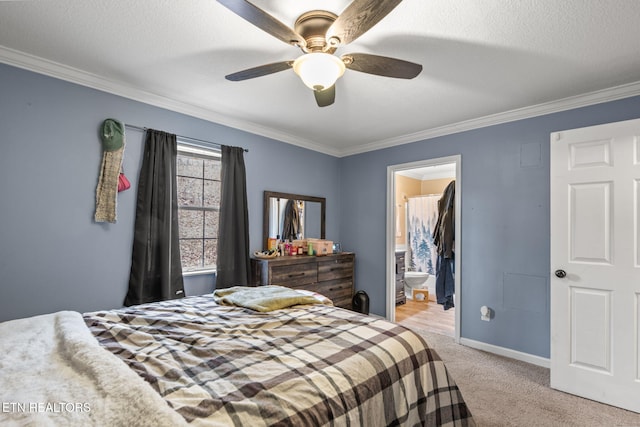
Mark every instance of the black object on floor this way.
pixel 360 302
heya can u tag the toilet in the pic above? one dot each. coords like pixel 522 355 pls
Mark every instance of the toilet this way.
pixel 414 280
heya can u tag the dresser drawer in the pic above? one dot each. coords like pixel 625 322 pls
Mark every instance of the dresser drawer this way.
pixel 342 303
pixel 293 275
pixel 336 289
pixel 335 269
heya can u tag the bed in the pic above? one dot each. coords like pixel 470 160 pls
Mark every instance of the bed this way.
pixel 198 361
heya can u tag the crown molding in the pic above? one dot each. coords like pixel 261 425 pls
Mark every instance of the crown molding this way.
pixel 584 100
pixel 74 75
pixel 63 72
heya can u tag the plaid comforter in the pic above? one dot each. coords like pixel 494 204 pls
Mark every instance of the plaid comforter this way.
pixel 304 366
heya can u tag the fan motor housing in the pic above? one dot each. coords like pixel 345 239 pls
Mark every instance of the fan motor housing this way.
pixel 313 26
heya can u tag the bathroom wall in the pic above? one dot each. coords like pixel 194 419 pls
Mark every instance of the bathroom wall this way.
pixel 434 186
pixel 405 187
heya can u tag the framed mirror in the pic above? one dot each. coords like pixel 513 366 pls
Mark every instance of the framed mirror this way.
pixel 293 214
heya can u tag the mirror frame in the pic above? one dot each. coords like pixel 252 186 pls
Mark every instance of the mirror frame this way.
pixel 265 216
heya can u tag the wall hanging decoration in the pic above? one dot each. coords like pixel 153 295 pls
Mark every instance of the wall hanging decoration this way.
pixel 113 142
pixel 123 182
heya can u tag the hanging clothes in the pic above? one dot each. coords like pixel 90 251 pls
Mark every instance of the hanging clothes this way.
pixel 113 143
pixel 444 231
pixel 291 224
pixel 443 238
pixel 445 284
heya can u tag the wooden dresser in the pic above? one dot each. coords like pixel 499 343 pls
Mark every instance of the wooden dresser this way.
pixel 329 275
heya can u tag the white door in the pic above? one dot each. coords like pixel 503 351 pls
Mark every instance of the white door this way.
pixel 595 263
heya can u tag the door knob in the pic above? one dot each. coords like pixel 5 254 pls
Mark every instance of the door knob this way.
pixel 561 273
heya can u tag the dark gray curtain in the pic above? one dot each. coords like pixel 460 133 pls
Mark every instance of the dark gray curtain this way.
pixel 156 270
pixel 233 265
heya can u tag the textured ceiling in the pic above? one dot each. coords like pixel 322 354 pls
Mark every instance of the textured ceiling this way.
pixel 484 61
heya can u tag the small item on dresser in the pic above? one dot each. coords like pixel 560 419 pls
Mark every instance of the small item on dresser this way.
pixel 321 246
pixel 301 243
pixel 266 254
pixel 272 243
pixel 310 249
pixel 300 250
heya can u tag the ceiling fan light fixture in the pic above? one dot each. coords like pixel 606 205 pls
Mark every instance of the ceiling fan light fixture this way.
pixel 319 70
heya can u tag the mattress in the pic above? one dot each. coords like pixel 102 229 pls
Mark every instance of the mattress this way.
pixel 310 365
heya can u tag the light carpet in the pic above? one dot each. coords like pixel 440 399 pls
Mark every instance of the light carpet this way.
pixel 506 392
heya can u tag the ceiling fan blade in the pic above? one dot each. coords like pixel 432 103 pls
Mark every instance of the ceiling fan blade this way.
pixel 259 71
pixel 381 65
pixel 264 21
pixel 357 19
pixel 325 97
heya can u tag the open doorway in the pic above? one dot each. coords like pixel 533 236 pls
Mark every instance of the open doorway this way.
pixel 413 192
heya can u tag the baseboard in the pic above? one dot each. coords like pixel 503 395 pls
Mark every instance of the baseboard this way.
pixel 376 315
pixel 506 352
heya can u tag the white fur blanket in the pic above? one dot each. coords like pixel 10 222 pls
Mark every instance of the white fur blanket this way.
pixel 53 372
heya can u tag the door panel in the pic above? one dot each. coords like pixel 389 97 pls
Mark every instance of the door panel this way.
pixel 590 154
pixel 590 219
pixel 591 329
pixel 595 207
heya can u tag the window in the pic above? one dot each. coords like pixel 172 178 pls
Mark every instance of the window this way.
pixel 198 176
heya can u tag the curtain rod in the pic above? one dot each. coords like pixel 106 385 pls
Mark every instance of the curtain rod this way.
pixel 188 138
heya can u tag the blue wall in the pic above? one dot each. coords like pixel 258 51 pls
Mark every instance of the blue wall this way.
pixel 53 256
pixel 505 220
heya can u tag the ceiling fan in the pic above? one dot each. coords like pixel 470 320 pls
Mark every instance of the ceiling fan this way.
pixel 318 34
